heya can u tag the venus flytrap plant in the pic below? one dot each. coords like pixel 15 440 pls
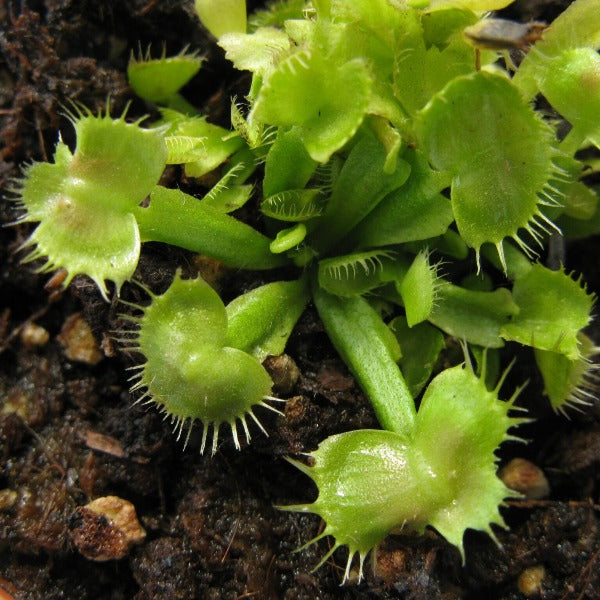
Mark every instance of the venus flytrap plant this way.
pixel 174 217
pixel 374 482
pixel 569 384
pixel 504 168
pixel 159 80
pixel 189 373
pixel 414 211
pixel 88 206
pixel 357 273
pixel 327 119
pixel 202 360
pixel 384 147
pixel 520 185
pixel 551 321
pixel 222 16
pixel 371 351
pixel 571 83
pixel 277 13
pixel 474 316
pixel 196 143
pixel 85 201
pixel 577 27
pixel 419 289
pixel 261 321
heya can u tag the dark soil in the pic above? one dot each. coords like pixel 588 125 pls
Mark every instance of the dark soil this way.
pixel 69 432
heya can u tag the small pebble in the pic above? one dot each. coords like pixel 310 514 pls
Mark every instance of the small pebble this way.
pixel 33 335
pixel 18 403
pixel 78 341
pixel 8 498
pixel 525 477
pixel 106 528
pixel 530 581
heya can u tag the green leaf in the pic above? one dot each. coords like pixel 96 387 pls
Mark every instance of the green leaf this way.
pixel 85 201
pixel 294 205
pixel 225 195
pixel 363 479
pixel 214 144
pixel 328 105
pixel 372 14
pixel 254 135
pixel 418 289
pixel 414 211
pixel 288 238
pixel 391 140
pixel 472 422
pixel 228 199
pixel 118 162
pixel 353 274
pixel 360 186
pixel 158 80
pixel 578 228
pixel 222 16
pixel 553 308
pixel 499 152
pixel 476 317
pixel 577 27
pixel 177 218
pixel 569 383
pixel 189 373
pixel 372 483
pixel 370 350
pixel 184 148
pixel 258 52
pixel 571 83
pixel 288 166
pixel 421 72
pixel 580 202
pixel 421 346
pixel 478 282
pixel 189 301
pixel 277 13
pixel 439 27
pixel 261 321
pixel 451 244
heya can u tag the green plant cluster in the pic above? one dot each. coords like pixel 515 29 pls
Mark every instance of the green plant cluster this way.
pixel 403 172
